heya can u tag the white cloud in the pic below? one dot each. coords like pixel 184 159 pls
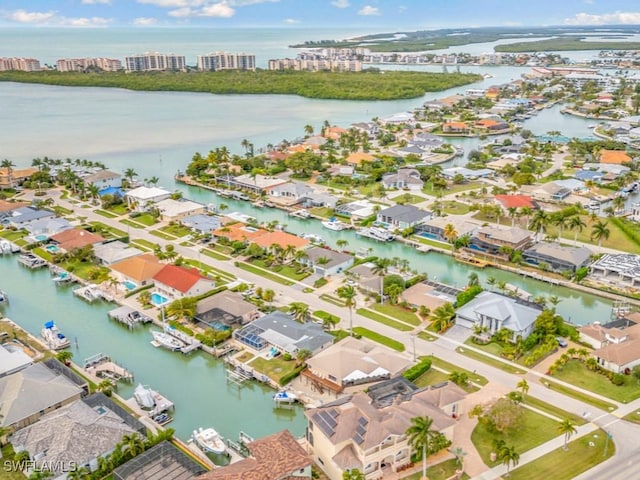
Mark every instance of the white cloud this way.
pixel 615 18
pixel 291 21
pixel 369 11
pixel 170 3
pixel 244 3
pixel 402 9
pixel 94 2
pixel 340 3
pixel 222 10
pixel 181 12
pixel 22 16
pixel 145 21
pixel 85 21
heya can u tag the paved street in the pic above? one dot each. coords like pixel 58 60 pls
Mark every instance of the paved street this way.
pixel 625 435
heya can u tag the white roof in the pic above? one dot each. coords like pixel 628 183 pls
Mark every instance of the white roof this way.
pixel 12 358
pixel 172 207
pixel 147 193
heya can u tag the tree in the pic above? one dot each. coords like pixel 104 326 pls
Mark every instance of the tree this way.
pixel 182 308
pixel 268 295
pixel 420 435
pixel 509 457
pixel 576 224
pixel 8 165
pixel 348 294
pixel 341 243
pixel 459 453
pixel 600 232
pixel 78 473
pixel 566 428
pixel 302 355
pixel 300 311
pixel 65 357
pixel 459 378
pixel 354 474
pixel 106 386
pixel 450 233
pixel 523 386
pixel 129 174
pixel 473 279
pixel 539 222
pixel 442 316
pixel 133 444
pixel 504 416
pixel 380 268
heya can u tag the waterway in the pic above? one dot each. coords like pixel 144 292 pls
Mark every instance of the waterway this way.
pixel 195 383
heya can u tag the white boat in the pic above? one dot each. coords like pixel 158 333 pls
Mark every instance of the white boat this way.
pixel 377 233
pixel 300 214
pixel 4 298
pixel 144 397
pixel 313 238
pixel 284 396
pixel 53 338
pixel 167 341
pixel 62 277
pixel 209 440
pixel 334 224
pixel 5 247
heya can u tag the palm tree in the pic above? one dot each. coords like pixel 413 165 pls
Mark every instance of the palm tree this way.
pixel 561 223
pixel 539 222
pixel 348 294
pixel 65 357
pixel 133 444
pixel 576 224
pixel 268 295
pixel 420 435
pixel 341 243
pixel 459 453
pixel 129 174
pixel 491 281
pixel 302 355
pixel 8 164
pixel 600 232
pixel 182 308
pixel 308 130
pixel 566 428
pixel 473 279
pixel 509 457
pixel 618 203
pixel 380 268
pixel 354 474
pixel 106 386
pixel 524 387
pixel 450 233
pixel 300 311
pixel 78 473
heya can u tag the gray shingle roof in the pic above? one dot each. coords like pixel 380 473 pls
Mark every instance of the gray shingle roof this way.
pixel 515 315
pixel 404 213
pixel 282 330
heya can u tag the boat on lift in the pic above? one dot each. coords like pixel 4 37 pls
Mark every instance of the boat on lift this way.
pixel 53 337
pixel 144 397
pixel 209 440
pixel 333 224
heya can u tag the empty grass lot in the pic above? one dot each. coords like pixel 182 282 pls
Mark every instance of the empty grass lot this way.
pixel 442 471
pixel 263 273
pixel 583 397
pixel 376 337
pixel 214 255
pixel 12 235
pixel 403 314
pixel 408 198
pixel 131 223
pixel 285 270
pixel 365 312
pixel 274 368
pixel 163 235
pixel 105 213
pixel 145 243
pixel 489 360
pixel 452 207
pixel 566 464
pixel 575 373
pixel 176 230
pixel 536 430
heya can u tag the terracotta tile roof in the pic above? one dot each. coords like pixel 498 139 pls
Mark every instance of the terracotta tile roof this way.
pixel 239 232
pixel 180 278
pixel 334 132
pixel 75 238
pixel 456 125
pixel 9 206
pixel 358 157
pixel 487 123
pixel 283 239
pixel 515 201
pixel 275 457
pixel 616 157
pixel 140 268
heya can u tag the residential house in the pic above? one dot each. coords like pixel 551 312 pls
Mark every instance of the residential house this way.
pixel 114 252
pixel 403 216
pixel 175 210
pixel 495 311
pixel 202 223
pixel 280 331
pixel 404 178
pixel 225 310
pixel 356 210
pixel 435 227
pixel 238 232
pixel 275 457
pixel 73 238
pixel 550 192
pixel 353 362
pixel 103 179
pixel 491 126
pixel 142 199
pixel 281 239
pixel 290 193
pixel 164 459
pixel 455 128
pixel 616 157
pixel 12 359
pixel 7 207
pixel 11 177
pixel 137 271
pixel 30 393
pixel 357 158
pixel 491 239
pixel 48 226
pixel 368 431
pixel 516 201
pixel 327 262
pixel 24 216
pixel 617 344
pixel 316 199
pixel 467 173
pixel 76 434
pixel 256 184
pixel 557 257
pixel 366 278
pixel 179 282
pixel 620 269
pixel 429 294
pixel 334 132
pixel 398 118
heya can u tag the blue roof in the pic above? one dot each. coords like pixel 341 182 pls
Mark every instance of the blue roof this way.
pixel 587 175
pixel 111 191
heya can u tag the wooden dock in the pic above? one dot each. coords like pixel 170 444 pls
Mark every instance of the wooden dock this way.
pixel 128 316
pixel 469 260
pixel 102 366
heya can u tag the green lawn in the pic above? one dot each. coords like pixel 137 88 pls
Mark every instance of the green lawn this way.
pixel 106 213
pixel 322 212
pixel 131 223
pixel 489 360
pixel 146 219
pixel 633 417
pixel 583 397
pixel 376 337
pixel 553 410
pixel 264 273
pixel 42 253
pixel 424 335
pixel 176 230
pixel 463 187
pixel 429 241
pixel 274 368
pixel 575 373
pixel 163 235
pixel 431 377
pixel 408 198
pixel 113 231
pixel 365 312
pixel 9 473
pixel 61 211
pixel 119 209
pixel 455 208
pixel 566 464
pixel 12 235
pixel 214 255
pixel 450 367
pixel 403 314
pixel 212 272
pixel 536 430
pixel 331 299
pixel 288 271
pixel 442 471
pixel 145 243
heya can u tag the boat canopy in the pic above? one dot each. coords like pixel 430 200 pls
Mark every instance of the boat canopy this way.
pixel 49 324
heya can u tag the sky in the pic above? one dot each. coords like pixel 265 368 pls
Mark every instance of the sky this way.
pixel 388 15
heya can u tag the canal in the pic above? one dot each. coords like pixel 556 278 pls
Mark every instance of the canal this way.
pixel 195 383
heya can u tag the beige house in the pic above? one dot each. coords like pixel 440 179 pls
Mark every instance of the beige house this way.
pixel 226 308
pixel 353 362
pixel 136 271
pixel 174 210
pixel 367 430
pixel 429 294
pixel 616 344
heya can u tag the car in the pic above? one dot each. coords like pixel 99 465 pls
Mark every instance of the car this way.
pixel 562 342
pixel 161 418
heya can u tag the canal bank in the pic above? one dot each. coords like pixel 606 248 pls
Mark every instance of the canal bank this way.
pixel 195 383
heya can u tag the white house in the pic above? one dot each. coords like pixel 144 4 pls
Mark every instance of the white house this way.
pixel 104 179
pixel 174 210
pixel 142 198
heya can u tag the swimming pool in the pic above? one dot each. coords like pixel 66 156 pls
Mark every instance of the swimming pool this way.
pixel 40 238
pixel 429 235
pixel 129 285
pixel 52 248
pixel 158 300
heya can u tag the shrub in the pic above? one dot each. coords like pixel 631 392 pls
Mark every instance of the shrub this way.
pixel 291 375
pixel 320 282
pixel 467 295
pixel 417 370
pixel 617 379
pixel 286 357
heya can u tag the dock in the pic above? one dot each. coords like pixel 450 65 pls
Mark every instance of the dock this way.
pixel 102 366
pixel 163 404
pixel 91 293
pixel 469 260
pixel 190 343
pixel 128 316
pixel 225 350
pixel 30 260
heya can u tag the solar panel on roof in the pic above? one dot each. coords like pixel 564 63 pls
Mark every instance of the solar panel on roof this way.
pixel 326 416
pixel 361 430
pixel 358 439
pixel 363 421
pixel 333 412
